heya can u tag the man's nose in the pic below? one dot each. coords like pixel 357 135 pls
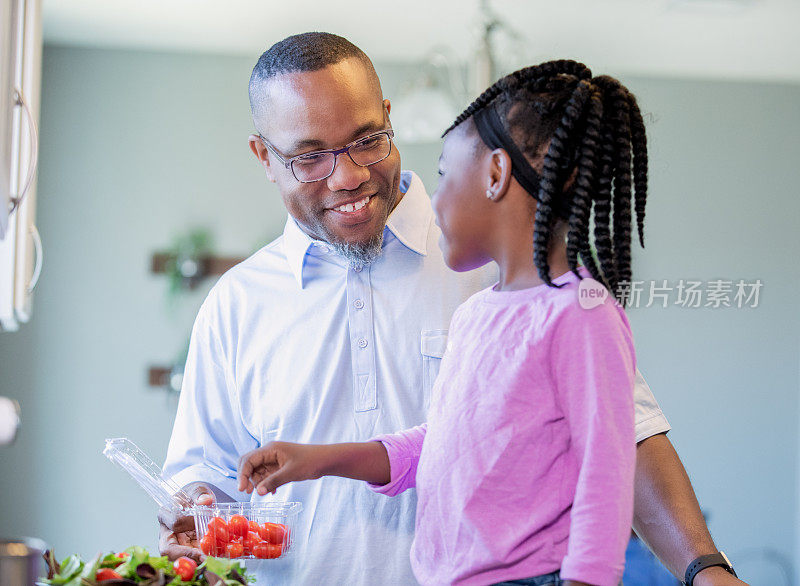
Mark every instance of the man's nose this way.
pixel 347 175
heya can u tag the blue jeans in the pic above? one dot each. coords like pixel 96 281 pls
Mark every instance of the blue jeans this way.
pixel 553 579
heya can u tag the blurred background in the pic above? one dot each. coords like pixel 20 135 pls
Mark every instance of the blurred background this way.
pixel 146 182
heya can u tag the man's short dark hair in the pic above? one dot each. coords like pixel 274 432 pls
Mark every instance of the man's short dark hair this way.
pixel 304 52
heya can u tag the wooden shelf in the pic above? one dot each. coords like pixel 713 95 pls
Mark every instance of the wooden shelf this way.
pixel 209 265
pixel 158 376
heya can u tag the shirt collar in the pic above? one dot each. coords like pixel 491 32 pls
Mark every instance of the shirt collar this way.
pixel 409 222
pixel 411 219
pixel 295 245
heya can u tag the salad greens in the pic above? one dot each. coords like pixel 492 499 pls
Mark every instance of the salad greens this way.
pixel 136 566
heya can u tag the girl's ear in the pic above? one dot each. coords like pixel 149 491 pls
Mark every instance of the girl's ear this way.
pixel 499 177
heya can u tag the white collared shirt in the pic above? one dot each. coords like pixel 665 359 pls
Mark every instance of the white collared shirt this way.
pixel 294 344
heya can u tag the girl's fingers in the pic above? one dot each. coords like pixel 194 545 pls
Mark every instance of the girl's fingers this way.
pixel 250 463
pixel 271 483
pixel 259 467
pixel 244 484
pixel 247 463
pixel 245 470
pixel 248 483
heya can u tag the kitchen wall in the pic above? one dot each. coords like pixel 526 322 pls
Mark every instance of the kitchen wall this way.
pixel 137 148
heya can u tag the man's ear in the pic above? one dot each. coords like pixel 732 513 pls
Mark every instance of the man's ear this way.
pixel 499 177
pixel 388 105
pixel 262 154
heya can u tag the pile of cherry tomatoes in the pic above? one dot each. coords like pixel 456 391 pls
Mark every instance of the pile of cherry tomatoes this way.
pixel 240 537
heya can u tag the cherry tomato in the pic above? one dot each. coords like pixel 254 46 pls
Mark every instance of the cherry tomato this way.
pixel 185 567
pixel 250 541
pixel 277 532
pixel 253 526
pixel 238 526
pixel 274 533
pixel 209 546
pixel 267 551
pixel 235 550
pixel 218 536
pixel 219 529
pixel 104 574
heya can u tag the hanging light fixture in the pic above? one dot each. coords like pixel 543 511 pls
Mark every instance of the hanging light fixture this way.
pixel 429 101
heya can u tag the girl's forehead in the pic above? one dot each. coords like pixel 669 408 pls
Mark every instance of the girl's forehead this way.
pixel 462 140
pixel 457 138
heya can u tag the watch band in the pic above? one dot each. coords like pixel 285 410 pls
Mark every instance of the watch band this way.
pixel 707 561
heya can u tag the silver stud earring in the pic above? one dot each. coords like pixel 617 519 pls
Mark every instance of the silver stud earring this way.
pixel 489 193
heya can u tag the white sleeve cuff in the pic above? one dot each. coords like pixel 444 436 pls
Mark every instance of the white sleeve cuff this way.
pixel 655 424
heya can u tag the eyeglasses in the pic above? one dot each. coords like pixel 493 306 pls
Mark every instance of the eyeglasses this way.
pixel 319 165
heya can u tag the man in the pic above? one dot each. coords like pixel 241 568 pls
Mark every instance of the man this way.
pixel 334 332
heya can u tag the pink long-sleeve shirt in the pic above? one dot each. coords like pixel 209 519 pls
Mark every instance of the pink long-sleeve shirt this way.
pixel 526 463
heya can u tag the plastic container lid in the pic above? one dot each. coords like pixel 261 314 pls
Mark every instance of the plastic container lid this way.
pixel 146 473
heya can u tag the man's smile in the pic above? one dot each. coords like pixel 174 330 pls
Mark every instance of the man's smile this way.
pixel 356 212
pixel 353 206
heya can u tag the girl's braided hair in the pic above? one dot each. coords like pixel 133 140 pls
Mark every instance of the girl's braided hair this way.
pixel 597 151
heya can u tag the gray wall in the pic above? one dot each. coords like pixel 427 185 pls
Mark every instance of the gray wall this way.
pixel 139 147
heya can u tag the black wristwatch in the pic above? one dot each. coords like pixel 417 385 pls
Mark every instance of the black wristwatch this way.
pixel 707 561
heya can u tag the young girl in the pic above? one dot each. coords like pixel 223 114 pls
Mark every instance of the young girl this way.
pixel 524 470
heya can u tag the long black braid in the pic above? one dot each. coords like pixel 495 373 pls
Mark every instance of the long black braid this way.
pixel 584 187
pixel 596 159
pixel 622 184
pixel 639 145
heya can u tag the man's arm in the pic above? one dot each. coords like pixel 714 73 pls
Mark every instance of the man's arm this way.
pixel 207 438
pixel 667 516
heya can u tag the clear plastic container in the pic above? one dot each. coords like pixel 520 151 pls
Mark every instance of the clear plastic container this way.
pixel 272 522
pixel 146 473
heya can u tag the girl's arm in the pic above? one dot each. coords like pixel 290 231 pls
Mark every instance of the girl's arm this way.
pixel 275 464
pixel 593 365
pixel 388 463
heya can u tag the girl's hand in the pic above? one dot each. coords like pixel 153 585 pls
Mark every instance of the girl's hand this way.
pixel 277 463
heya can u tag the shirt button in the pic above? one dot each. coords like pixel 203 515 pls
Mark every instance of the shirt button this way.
pixel 362 343
pixel 358 303
pixel 357 268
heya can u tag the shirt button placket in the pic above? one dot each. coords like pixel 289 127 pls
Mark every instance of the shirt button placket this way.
pixel 359 313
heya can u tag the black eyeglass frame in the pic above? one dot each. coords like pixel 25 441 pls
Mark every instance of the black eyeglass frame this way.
pixel 389 132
